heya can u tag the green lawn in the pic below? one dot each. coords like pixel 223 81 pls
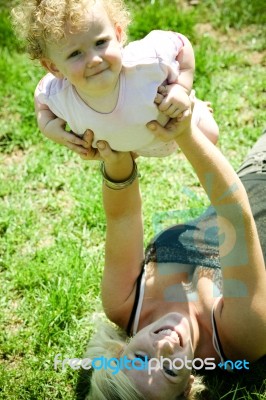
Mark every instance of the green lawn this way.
pixel 51 221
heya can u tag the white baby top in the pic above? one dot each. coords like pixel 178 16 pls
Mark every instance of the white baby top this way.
pixel 147 63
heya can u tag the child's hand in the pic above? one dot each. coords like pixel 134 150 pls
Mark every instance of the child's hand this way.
pixel 173 101
pixel 55 130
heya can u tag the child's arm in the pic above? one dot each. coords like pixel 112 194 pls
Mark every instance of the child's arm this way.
pixel 54 128
pixel 186 62
pixel 173 99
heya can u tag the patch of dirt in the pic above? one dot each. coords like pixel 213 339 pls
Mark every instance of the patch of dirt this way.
pixel 257 58
pixel 234 40
pixel 15 157
pixel 187 4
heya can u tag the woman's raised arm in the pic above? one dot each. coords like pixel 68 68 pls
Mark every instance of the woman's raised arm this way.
pixel 242 263
pixel 124 233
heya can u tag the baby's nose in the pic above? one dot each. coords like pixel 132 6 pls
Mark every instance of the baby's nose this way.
pixel 93 58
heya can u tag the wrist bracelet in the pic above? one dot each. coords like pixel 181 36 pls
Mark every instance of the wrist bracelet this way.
pixel 119 185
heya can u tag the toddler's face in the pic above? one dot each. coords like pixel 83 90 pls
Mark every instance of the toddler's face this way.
pixel 90 59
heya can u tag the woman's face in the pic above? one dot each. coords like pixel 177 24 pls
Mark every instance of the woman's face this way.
pixel 168 342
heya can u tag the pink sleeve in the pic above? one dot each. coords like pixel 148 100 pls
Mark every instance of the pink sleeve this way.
pixel 167 45
pixel 180 40
pixel 43 88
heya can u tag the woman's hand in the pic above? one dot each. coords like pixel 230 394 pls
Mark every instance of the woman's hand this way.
pixel 173 129
pixel 117 165
pixel 103 152
pixel 93 153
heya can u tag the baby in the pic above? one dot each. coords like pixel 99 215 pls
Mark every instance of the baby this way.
pixel 93 82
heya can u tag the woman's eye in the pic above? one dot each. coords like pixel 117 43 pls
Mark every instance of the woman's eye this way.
pixel 142 357
pixel 169 371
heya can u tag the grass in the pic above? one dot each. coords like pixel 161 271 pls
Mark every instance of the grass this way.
pixel 52 224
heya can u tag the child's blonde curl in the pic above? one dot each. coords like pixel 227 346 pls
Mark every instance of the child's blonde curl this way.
pixel 38 22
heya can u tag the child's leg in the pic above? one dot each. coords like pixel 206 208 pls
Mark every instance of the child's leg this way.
pixel 203 117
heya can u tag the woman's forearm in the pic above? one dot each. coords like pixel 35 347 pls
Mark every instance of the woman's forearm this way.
pixel 118 203
pixel 124 236
pixel 215 173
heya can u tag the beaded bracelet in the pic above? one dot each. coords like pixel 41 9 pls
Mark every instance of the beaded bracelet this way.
pixel 119 185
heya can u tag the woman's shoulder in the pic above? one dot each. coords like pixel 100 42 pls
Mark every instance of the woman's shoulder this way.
pixel 120 315
pixel 241 328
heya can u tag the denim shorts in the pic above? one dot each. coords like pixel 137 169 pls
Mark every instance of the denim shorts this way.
pixel 255 162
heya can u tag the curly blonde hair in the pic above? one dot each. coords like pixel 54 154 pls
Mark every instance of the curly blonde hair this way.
pixel 38 22
pixel 109 342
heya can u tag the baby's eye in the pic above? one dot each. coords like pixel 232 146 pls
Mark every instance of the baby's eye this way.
pixel 169 371
pixel 74 54
pixel 101 42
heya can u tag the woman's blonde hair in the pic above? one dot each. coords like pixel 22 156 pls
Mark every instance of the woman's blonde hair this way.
pixel 37 22
pixel 109 342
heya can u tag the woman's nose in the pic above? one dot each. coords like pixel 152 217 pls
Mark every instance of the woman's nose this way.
pixel 164 347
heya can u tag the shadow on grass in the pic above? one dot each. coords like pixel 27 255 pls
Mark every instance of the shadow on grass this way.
pixel 243 384
pixel 83 384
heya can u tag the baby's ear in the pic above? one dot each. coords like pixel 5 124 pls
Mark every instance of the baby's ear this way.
pixel 51 67
pixel 118 32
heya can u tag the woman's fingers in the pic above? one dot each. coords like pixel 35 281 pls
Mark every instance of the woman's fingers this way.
pixel 172 129
pixel 161 132
pixel 104 149
pixel 88 138
pixel 158 98
pixel 102 152
pixel 77 149
pixel 88 152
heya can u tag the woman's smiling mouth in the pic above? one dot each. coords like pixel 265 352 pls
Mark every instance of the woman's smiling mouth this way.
pixel 171 334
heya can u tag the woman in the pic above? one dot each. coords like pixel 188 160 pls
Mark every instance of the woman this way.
pixel 177 304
